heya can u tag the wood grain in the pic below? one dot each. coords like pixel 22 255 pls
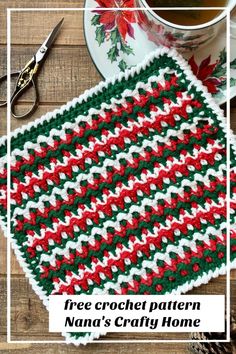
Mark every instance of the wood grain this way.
pixel 34 26
pixel 25 32
pixel 72 68
pixel 95 348
pixel 30 318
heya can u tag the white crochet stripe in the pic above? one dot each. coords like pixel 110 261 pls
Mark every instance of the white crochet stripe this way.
pixel 60 133
pixel 120 217
pixel 115 162
pixel 128 278
pixel 83 98
pixel 3 194
pixel 38 289
pixel 177 247
pixel 232 140
pixel 3 223
pixel 151 264
pixel 180 61
pixel 233 227
pixel 88 118
pixel 90 238
pixel 24 209
pixel 45 257
pixel 107 162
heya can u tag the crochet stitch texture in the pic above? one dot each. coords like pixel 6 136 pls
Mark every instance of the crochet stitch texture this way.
pixel 123 190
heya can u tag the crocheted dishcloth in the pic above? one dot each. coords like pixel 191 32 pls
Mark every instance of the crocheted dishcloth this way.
pixel 123 190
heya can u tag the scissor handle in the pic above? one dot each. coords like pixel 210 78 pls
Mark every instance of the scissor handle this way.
pixel 25 79
pixel 4 78
pixel 17 95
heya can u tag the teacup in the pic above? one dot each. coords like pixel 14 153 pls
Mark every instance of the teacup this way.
pixel 184 38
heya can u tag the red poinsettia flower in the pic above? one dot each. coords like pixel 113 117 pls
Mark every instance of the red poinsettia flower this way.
pixel 155 33
pixel 205 73
pixel 121 19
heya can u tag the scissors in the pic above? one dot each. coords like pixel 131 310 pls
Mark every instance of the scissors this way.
pixel 27 76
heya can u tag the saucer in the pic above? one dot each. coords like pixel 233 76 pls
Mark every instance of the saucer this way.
pixel 117 42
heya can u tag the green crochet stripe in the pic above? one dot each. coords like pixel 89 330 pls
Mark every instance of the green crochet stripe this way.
pixel 168 285
pixel 129 170
pixel 74 268
pixel 180 280
pixel 47 283
pixel 85 142
pixel 168 211
pixel 112 91
pixel 21 236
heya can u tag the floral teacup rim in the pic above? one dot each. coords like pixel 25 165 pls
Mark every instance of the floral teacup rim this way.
pixel 230 5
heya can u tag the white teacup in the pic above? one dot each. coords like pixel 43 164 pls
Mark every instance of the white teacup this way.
pixel 184 38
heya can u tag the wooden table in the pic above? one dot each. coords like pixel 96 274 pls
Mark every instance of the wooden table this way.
pixel 67 72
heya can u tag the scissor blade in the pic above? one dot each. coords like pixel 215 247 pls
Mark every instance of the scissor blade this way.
pixel 42 51
pixel 52 36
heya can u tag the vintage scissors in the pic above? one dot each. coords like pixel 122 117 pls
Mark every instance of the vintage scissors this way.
pixel 27 76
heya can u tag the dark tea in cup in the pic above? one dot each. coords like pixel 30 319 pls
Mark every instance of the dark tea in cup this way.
pixel 188 17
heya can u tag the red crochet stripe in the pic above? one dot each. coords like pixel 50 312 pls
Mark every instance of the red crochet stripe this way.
pixel 107 118
pixel 144 247
pixel 132 225
pixel 83 283
pixel 119 200
pixel 233 177
pixel 80 162
pixel 68 169
pixel 173 267
pixel 3 200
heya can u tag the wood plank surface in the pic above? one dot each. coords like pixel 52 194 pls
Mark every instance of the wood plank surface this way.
pixel 72 68
pixel 95 348
pixel 71 33
pixel 33 27
pixel 29 318
pixel 67 72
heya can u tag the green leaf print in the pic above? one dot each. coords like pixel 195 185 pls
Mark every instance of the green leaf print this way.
pixel 100 35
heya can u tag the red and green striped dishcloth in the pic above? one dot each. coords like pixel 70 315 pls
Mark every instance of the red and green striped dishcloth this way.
pixel 123 190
